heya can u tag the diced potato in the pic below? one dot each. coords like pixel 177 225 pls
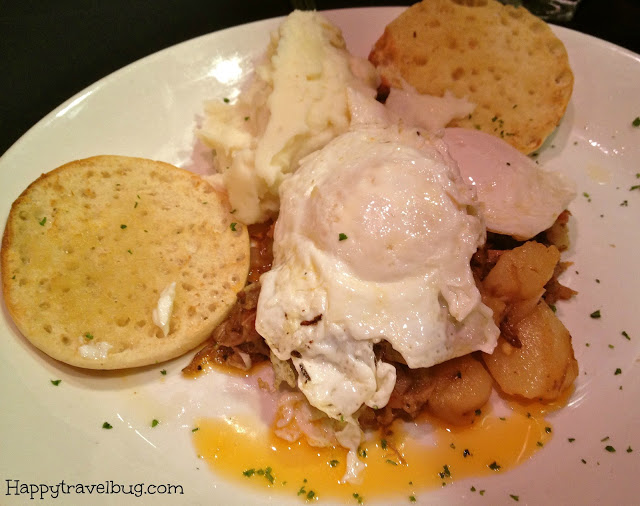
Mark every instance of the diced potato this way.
pixel 461 386
pixel 522 272
pixel 544 366
pixel 497 305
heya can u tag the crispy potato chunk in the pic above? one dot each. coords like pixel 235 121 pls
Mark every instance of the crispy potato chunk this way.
pixel 461 386
pixel 543 366
pixel 521 273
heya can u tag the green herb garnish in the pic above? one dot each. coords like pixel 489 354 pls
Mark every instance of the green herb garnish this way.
pixel 55 382
pixel 596 314
pixel 107 425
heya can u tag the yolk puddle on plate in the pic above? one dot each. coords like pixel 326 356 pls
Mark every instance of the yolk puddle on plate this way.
pixel 242 449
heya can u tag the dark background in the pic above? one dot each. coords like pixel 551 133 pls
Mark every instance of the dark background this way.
pixel 52 49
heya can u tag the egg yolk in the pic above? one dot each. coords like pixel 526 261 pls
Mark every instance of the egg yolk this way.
pixel 399 462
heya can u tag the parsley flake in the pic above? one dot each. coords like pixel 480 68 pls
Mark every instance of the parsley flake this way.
pixel 629 450
pixel 571 439
pixel 392 462
pixel 195 429
pixel 473 489
pixel 618 371
pixel 383 444
pixel 547 430
pixel 154 422
pixel 333 463
pixel 610 449
pixel 88 335
pixel 412 498
pixel 358 497
pixel 55 382
pixel 123 226
pixel 494 466
pixel 636 122
pixel 43 221
pixel 249 472
pixel 341 236
pixel 107 425
pixel 626 336
pixel 163 372
pixel 225 100
pixel 596 314
pixel 233 226
pixel 514 497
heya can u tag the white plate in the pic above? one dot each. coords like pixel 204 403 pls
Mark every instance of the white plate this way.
pixel 149 109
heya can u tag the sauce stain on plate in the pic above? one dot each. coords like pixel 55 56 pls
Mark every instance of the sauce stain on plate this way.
pixel 400 462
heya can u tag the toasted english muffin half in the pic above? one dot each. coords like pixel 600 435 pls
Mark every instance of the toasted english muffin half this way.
pixel 502 58
pixel 90 247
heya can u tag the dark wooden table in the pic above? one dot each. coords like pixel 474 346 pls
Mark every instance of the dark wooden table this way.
pixel 50 50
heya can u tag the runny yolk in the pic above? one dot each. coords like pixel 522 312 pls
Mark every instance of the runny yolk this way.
pixel 400 463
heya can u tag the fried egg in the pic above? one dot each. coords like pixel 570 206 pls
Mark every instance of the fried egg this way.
pixel 372 243
pixel 520 198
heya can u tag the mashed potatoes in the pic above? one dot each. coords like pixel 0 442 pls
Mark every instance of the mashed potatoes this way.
pixel 297 103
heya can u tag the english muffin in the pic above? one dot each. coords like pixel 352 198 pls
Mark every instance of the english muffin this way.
pixel 502 58
pixel 113 262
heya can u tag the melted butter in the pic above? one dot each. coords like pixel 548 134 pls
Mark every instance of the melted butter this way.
pixel 400 463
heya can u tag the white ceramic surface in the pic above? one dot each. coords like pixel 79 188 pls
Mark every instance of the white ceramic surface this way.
pixel 150 108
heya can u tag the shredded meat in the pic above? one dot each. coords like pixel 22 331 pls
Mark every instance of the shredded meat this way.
pixel 261 253
pixel 235 342
pixel 409 397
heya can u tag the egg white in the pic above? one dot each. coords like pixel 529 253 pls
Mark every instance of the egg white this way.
pixel 373 242
pixel 520 198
